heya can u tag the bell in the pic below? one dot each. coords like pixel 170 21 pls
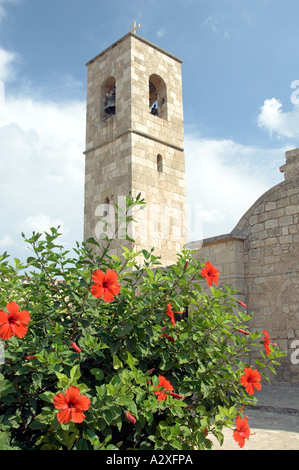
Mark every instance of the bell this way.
pixel 110 105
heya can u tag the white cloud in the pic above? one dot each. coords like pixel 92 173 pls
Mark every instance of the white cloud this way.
pixel 2 7
pixel 162 32
pixel 7 63
pixel 274 120
pixel 41 164
pixel 210 21
pixel 54 123
pixel 214 22
pixel 41 223
pixel 224 179
pixel 213 216
pixel 6 242
pixel 7 70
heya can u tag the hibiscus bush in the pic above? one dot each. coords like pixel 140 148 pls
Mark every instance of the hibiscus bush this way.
pixel 102 352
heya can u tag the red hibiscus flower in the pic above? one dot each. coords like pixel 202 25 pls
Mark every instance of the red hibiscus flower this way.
pixel 251 379
pixel 14 323
pixel 130 417
pixel 76 348
pixel 105 285
pixel 170 314
pixel 266 341
pixel 161 395
pixel 71 405
pixel 210 273
pixel 242 431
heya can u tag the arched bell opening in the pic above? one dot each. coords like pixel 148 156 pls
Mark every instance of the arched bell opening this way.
pixel 108 95
pixel 157 96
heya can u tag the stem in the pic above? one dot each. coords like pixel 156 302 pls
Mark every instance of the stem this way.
pixel 20 405
pixel 49 277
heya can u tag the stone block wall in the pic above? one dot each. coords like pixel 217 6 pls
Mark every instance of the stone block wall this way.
pixel 264 263
pixel 226 253
pixel 135 150
pixel 271 264
pixel 163 223
pixel 148 60
pixel 107 176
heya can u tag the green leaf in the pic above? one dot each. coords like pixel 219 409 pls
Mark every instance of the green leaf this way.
pixel 101 391
pixel 47 396
pixel 98 374
pixel 116 258
pixel 75 373
pixel 146 254
pixel 36 424
pixel 149 271
pixel 61 377
pixel 92 241
pixel 52 358
pixel 176 445
pixel 111 447
pixel 122 331
pixel 82 444
pixel 91 436
pixel 219 436
pixel 124 401
pixel 130 360
pixel 116 362
pixel 206 389
pixel 6 387
pixel 107 415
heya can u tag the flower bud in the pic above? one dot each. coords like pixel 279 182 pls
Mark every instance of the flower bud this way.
pixel 130 417
pixel 244 332
pixel 175 395
pixel 76 348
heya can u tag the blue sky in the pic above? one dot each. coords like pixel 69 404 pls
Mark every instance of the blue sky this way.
pixel 240 90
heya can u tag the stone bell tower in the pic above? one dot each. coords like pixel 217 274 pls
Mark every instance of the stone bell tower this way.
pixel 135 143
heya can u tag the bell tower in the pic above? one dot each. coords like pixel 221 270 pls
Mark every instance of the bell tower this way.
pixel 135 143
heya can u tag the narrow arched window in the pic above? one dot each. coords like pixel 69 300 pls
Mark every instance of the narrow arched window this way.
pixel 157 96
pixel 108 98
pixel 159 163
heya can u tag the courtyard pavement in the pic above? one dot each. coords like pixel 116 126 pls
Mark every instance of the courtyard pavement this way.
pixel 274 421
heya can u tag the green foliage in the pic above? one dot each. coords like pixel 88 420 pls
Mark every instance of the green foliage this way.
pixel 123 352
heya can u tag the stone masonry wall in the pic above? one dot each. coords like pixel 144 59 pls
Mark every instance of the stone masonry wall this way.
pixel 225 252
pixel 266 267
pixel 163 224
pixel 122 151
pixel 271 267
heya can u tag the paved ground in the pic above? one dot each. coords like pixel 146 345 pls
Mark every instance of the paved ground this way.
pixel 274 421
